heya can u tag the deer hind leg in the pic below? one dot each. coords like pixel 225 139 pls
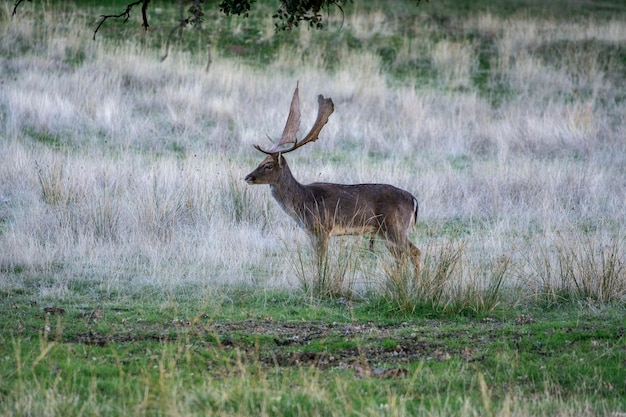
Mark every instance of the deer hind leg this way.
pixel 319 241
pixel 402 248
pixel 416 256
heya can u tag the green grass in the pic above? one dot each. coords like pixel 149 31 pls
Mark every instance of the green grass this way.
pixel 233 352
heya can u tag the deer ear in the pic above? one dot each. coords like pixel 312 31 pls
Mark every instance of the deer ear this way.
pixel 280 159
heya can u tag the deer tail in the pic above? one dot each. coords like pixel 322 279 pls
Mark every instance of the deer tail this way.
pixel 415 210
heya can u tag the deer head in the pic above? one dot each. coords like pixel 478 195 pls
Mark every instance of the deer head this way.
pixel 270 169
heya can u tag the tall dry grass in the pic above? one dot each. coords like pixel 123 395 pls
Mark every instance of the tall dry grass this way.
pixel 127 172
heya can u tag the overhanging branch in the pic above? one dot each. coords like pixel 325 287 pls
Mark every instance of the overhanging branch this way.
pixel 16 5
pixel 125 14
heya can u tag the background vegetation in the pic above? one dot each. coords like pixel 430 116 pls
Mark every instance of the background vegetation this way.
pixel 139 274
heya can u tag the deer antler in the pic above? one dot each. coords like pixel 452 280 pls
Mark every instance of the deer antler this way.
pixel 293 121
pixel 326 108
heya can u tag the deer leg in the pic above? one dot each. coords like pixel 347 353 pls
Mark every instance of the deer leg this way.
pixel 416 256
pixel 320 247
pixel 396 251
pixel 401 248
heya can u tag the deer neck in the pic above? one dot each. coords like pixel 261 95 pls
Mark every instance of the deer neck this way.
pixel 289 193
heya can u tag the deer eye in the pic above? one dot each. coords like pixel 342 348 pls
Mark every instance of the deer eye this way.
pixel 268 166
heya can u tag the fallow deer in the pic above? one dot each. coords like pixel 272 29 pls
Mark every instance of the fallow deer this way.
pixel 327 209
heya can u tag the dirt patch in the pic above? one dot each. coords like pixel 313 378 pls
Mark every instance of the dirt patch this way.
pixel 302 344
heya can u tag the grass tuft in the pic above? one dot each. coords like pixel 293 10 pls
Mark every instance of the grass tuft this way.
pixel 337 274
pixel 582 268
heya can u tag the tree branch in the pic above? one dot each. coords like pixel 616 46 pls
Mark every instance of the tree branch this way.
pixel 195 18
pixel 125 14
pixel 16 5
pixel 179 27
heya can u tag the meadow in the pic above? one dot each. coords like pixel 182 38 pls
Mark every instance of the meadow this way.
pixel 139 273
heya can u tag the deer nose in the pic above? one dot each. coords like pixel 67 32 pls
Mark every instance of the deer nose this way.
pixel 249 179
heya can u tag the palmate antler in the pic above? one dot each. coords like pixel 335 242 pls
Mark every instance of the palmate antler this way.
pixel 325 109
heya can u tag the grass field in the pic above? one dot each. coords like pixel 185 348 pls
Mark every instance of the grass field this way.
pixel 140 275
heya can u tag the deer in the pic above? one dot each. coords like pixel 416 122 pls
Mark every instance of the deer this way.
pixel 327 209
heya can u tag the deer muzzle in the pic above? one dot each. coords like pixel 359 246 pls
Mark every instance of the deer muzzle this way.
pixel 250 179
